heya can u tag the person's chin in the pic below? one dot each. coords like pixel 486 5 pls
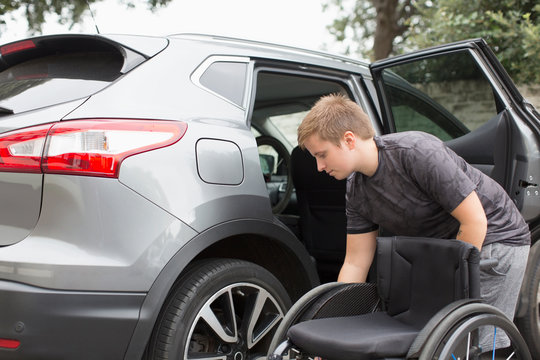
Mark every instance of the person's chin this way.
pixel 335 175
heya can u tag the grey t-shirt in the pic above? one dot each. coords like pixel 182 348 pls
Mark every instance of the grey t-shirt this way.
pixel 418 182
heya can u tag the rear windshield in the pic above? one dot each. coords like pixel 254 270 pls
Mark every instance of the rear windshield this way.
pixel 53 76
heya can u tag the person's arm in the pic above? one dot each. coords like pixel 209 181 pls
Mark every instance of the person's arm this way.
pixel 472 220
pixel 358 257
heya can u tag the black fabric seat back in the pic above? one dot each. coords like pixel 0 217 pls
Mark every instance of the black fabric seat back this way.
pixel 417 277
pixel 321 205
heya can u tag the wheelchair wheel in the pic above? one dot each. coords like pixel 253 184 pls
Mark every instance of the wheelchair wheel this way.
pixel 296 312
pixel 461 342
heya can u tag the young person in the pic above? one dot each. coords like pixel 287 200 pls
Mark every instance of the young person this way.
pixel 411 184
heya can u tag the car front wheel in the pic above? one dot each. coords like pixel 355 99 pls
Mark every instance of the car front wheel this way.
pixel 220 309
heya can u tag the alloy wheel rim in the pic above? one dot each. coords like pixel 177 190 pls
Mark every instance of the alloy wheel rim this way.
pixel 233 324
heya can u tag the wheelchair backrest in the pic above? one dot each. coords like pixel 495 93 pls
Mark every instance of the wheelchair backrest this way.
pixel 416 277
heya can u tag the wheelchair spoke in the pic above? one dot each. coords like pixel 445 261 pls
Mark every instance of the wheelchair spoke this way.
pixel 462 343
pixel 511 355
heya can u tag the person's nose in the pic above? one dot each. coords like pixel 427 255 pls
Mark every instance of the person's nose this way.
pixel 320 165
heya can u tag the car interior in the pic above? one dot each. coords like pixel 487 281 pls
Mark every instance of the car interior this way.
pixel 310 203
pixel 474 124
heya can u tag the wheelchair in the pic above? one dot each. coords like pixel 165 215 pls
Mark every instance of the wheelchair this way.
pixel 425 304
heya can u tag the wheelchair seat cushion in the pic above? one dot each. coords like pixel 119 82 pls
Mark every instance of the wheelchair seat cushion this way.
pixel 342 338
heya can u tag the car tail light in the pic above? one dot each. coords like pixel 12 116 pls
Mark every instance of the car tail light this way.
pixel 21 151
pixel 9 344
pixel 16 47
pixel 84 147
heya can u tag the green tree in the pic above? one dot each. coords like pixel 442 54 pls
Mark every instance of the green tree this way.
pixel 385 23
pixel 69 11
pixel 510 27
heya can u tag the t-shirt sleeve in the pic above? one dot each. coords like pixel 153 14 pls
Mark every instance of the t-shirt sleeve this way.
pixel 439 172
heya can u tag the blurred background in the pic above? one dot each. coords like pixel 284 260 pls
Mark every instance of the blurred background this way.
pixel 363 29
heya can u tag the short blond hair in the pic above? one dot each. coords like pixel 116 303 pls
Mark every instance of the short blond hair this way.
pixel 332 116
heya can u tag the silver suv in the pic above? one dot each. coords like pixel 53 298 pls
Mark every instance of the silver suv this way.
pixel 154 202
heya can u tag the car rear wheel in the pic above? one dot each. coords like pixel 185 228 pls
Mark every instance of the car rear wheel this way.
pixel 220 309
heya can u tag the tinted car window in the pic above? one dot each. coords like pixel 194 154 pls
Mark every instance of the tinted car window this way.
pixel 227 79
pixel 447 96
pixel 54 79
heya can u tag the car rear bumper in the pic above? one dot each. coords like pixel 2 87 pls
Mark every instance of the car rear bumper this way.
pixel 53 324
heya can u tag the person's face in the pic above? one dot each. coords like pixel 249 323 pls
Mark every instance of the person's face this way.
pixel 336 160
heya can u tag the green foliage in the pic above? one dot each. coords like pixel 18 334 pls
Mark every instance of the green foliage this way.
pixel 68 11
pixel 510 27
pixel 357 21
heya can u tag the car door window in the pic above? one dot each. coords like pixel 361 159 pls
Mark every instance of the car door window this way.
pixel 447 96
pixel 282 100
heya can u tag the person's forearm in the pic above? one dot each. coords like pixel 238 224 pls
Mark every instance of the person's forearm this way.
pixel 358 257
pixel 352 274
pixel 473 233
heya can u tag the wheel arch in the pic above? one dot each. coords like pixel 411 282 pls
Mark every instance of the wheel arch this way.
pixel 268 244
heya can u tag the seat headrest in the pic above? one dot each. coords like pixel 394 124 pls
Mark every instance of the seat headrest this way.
pixel 306 176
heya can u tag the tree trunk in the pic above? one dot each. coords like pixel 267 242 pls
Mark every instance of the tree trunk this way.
pixel 386 26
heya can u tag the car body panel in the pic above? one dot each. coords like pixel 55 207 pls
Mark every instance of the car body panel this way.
pixel 45 115
pixel 81 242
pixel 20 193
pixel 147 45
pixel 197 203
pixel 20 196
pixel 55 325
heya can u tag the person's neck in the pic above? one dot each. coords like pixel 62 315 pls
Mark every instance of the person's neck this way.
pixel 369 158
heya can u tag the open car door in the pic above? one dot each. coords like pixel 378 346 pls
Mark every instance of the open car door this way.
pixel 462 94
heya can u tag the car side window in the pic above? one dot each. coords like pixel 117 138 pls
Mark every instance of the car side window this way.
pixel 227 79
pixel 447 96
pixel 282 100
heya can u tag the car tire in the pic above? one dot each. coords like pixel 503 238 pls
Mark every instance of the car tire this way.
pixel 220 308
pixel 529 322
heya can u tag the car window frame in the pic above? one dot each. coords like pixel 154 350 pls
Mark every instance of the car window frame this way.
pixel 351 81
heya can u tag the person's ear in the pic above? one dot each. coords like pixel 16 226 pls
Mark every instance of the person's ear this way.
pixel 349 139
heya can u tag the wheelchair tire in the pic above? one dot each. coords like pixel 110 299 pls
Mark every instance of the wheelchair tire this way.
pixel 458 344
pixel 451 339
pixel 296 311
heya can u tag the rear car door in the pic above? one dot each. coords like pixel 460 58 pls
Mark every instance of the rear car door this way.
pixel 462 94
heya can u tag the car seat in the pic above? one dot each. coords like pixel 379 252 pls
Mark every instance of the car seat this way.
pixel 321 206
